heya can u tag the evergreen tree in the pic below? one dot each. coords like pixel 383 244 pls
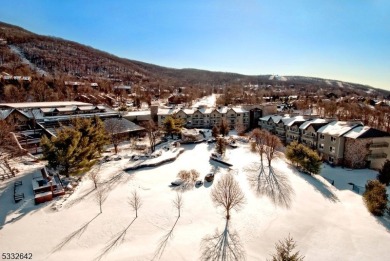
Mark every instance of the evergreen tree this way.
pixel 312 161
pixel 284 251
pixel 172 125
pixel 304 157
pixel 384 173
pixel 375 197
pixel 295 153
pixel 220 146
pixel 215 131
pixel 75 149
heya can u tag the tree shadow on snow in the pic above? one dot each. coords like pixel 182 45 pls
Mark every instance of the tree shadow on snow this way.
pixel 318 185
pixel 77 233
pixel 106 185
pixel 267 182
pixel 164 242
pixel 224 246
pixel 23 207
pixel 116 241
pixel 384 221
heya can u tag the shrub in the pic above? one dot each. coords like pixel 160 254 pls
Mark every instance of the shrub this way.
pixel 375 197
pixel 188 176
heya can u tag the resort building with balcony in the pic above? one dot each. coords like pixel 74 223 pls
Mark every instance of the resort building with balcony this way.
pixel 366 147
pixel 331 140
pixel 309 130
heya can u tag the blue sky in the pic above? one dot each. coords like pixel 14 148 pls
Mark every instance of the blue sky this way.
pixel 346 40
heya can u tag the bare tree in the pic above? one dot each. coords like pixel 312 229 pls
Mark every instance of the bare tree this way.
pixel 228 194
pixel 152 131
pixel 101 195
pixel 273 145
pixel 135 202
pixel 114 128
pixel 94 176
pixel 8 147
pixel 178 203
pixel 259 144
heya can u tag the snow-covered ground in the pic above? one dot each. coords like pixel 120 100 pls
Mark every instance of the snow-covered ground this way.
pixel 208 101
pixel 327 223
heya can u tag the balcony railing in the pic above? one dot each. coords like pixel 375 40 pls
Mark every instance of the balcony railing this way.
pixel 377 156
pixel 308 136
pixel 378 145
pixel 294 131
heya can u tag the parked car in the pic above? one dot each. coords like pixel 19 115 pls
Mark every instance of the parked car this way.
pixel 134 157
pixel 212 140
pixel 209 177
pixel 198 183
pixel 177 182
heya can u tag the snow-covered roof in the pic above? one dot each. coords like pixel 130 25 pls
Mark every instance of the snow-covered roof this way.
pixel 306 124
pixel 275 118
pixel 222 110
pixel 167 111
pixel 188 111
pixel 365 132
pixel 290 121
pixel 86 108
pixel 67 108
pixel 337 128
pixel 206 110
pixel 137 113
pixel 123 125
pixel 46 110
pixel 239 110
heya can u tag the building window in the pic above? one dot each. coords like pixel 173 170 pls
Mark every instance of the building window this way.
pixel 321 146
pixel 332 149
pixel 331 159
pixel 322 136
pixel 332 139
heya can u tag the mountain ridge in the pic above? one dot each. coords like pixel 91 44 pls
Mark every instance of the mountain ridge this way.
pixel 69 59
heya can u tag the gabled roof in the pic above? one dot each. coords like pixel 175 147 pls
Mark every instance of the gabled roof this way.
pixel 293 120
pixel 188 111
pixel 274 118
pixel 362 132
pixel 223 110
pixel 239 110
pixel 5 113
pixel 338 128
pixel 316 123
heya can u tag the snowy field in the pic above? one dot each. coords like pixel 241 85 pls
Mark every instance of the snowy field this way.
pixel 328 223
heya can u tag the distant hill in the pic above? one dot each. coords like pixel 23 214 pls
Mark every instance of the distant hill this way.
pixel 24 52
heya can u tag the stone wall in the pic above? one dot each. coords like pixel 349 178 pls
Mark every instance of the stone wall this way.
pixel 355 152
